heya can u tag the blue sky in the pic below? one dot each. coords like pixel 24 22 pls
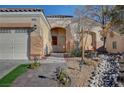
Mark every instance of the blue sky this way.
pixel 48 9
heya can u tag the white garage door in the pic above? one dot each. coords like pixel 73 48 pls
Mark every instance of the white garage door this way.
pixel 13 44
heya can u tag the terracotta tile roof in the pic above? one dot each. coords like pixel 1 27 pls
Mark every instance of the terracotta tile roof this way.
pixel 20 10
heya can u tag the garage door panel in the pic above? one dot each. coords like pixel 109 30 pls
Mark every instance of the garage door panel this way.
pixel 5 46
pixel 20 45
pixel 13 45
pixel 19 51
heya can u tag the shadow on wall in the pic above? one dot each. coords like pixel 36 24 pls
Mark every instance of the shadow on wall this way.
pixel 101 50
pixel 46 50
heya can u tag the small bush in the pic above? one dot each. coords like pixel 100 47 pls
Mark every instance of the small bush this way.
pixel 88 63
pixel 90 54
pixel 62 77
pixel 76 53
pixel 35 64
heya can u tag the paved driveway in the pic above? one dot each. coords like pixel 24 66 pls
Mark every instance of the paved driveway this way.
pixel 7 65
pixel 42 77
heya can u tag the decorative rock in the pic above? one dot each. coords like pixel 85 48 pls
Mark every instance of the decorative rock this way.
pixel 106 73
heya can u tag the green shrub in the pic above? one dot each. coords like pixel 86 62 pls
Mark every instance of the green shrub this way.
pixel 88 54
pixel 76 53
pixel 34 64
pixel 63 78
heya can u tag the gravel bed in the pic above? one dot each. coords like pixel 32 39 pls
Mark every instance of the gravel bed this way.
pixel 80 78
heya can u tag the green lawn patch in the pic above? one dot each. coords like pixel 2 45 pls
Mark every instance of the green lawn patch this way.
pixel 7 80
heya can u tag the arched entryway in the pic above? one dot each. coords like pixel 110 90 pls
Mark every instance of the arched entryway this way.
pixel 58 39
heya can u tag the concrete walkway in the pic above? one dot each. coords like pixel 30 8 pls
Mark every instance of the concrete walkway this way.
pixel 52 59
pixel 43 76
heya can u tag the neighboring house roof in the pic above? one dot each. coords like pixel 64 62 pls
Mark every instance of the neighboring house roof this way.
pixel 85 20
pixel 59 16
pixel 120 31
pixel 112 33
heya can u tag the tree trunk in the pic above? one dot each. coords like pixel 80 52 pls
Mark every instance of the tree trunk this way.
pixel 82 46
pixel 104 43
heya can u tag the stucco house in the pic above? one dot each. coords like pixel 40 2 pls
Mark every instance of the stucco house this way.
pixel 24 33
pixel 64 33
pixel 114 42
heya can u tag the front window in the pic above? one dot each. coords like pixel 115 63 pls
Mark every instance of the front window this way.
pixel 114 45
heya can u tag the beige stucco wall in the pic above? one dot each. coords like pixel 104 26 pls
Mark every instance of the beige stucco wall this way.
pixel 46 34
pixel 119 39
pixel 69 40
pixel 42 37
pixel 88 42
pixel 59 22
pixel 96 30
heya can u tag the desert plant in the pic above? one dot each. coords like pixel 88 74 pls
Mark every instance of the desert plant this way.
pixel 62 77
pixel 34 64
pixel 76 52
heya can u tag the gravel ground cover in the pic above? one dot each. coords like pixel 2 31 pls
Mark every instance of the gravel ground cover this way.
pixel 80 78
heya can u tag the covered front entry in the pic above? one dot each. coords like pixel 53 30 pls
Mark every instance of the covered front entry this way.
pixel 13 44
pixel 58 39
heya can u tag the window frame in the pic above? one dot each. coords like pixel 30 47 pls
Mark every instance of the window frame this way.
pixel 114 44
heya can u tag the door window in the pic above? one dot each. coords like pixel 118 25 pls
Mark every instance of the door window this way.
pixel 54 40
